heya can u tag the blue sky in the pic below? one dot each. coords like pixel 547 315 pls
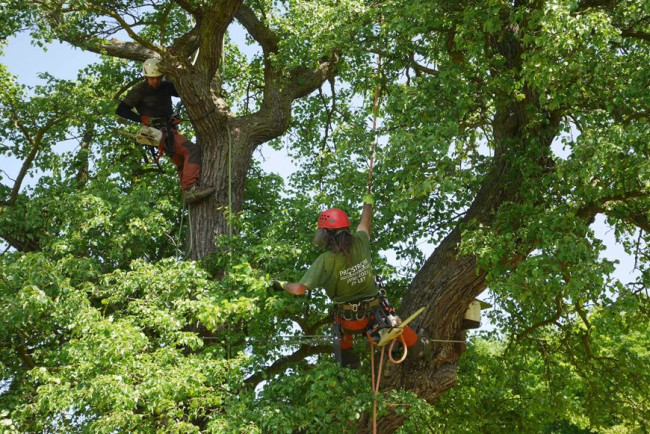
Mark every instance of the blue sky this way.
pixel 60 60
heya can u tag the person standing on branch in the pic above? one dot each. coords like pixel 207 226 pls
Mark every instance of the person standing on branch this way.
pixel 345 272
pixel 152 101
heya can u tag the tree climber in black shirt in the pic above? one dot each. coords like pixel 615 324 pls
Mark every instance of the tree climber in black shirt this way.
pixel 152 100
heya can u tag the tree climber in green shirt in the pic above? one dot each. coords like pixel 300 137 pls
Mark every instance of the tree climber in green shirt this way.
pixel 345 272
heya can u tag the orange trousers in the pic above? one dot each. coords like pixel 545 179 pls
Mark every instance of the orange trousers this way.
pixel 186 156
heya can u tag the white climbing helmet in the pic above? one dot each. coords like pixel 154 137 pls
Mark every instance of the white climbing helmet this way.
pixel 150 68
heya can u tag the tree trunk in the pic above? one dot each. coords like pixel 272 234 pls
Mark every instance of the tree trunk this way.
pixel 447 282
pixel 220 133
pixel 227 173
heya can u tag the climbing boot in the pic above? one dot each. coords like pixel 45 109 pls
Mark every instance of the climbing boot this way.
pixel 196 194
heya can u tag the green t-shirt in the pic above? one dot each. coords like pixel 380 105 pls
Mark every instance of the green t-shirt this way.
pixel 344 281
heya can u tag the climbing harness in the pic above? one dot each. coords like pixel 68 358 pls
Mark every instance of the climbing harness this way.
pixel 163 128
pixel 377 312
pixel 370 317
pixel 356 311
pixel 158 137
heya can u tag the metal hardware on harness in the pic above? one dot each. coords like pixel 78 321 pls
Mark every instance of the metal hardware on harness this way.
pixel 351 317
pixel 160 123
pixel 355 311
pixel 354 307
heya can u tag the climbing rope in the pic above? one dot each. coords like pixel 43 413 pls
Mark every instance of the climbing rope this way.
pixel 229 182
pixel 180 228
pixel 189 224
pixel 375 110
pixel 373 145
pixel 376 380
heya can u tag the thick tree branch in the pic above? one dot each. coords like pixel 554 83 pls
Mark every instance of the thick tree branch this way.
pixel 24 244
pixel 552 320
pixel 121 49
pixel 589 211
pixel 187 6
pixel 35 143
pixel 595 4
pixel 280 88
pixel 213 25
pixel 267 39
pixel 284 362
pixel 308 80
pixel 421 69
pixel 186 45
pixel 640 220
pixel 24 353
pixel 636 34
pixel 449 280
pixel 274 115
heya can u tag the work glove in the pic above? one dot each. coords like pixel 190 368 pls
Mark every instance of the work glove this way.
pixel 367 198
pixel 277 285
pixel 146 120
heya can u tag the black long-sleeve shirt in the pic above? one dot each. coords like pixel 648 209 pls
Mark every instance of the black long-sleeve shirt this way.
pixel 148 101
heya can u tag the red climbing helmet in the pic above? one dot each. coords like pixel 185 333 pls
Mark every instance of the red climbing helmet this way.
pixel 333 218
